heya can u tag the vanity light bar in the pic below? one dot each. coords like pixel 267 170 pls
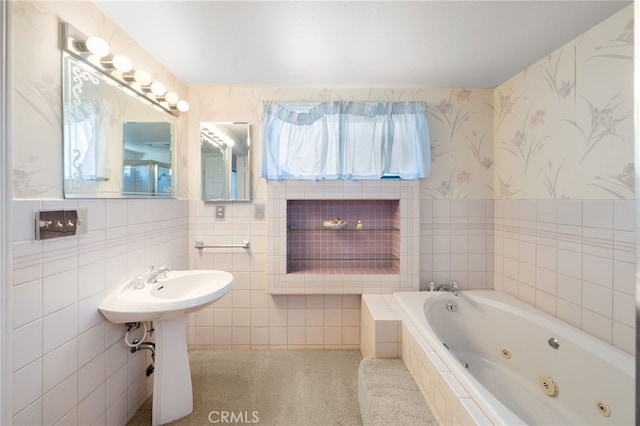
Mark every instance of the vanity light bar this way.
pixel 96 51
pixel 217 134
pixel 211 139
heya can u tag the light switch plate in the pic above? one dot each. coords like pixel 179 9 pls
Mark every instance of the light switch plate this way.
pixel 220 211
pixel 258 211
pixel 60 223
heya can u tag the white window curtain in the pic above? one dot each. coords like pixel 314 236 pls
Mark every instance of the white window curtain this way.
pixel 345 140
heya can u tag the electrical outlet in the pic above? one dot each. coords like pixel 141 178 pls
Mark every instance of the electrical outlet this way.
pixel 220 212
pixel 258 211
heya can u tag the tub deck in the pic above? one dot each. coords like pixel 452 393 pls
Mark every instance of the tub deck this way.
pixel 475 383
pixel 387 332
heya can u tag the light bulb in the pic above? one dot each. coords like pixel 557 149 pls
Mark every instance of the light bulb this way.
pixel 171 98
pixel 183 106
pixel 97 46
pixel 142 77
pixel 158 88
pixel 122 63
pixel 117 62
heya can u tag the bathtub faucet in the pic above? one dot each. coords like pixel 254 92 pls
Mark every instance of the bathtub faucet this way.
pixel 453 287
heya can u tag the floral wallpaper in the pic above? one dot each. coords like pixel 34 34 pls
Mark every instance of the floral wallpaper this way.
pixel 461 145
pixel 460 126
pixel 564 126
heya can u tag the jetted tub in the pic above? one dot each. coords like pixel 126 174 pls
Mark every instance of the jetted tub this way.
pixel 521 365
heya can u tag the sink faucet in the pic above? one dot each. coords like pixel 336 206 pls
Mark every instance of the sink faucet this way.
pixel 156 274
pixel 453 287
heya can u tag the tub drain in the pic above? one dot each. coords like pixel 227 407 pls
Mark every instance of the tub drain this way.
pixel 549 386
pixel 506 353
pixel 603 408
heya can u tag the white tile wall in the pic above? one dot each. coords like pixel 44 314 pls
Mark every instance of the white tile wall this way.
pixel 544 255
pixel 59 364
pixel 248 317
pixel 69 365
pixel 60 400
pixel 562 256
pixel 574 259
pixel 456 242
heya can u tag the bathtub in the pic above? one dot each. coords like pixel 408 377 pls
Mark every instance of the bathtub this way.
pixel 520 365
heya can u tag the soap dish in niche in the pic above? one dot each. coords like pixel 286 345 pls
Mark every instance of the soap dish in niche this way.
pixel 334 224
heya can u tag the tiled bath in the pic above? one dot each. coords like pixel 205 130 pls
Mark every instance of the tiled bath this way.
pixel 386 332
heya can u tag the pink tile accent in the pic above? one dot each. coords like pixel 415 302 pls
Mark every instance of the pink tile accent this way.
pixel 313 249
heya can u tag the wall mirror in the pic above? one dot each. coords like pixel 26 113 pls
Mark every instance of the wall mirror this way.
pixel 146 168
pixel 117 142
pixel 224 150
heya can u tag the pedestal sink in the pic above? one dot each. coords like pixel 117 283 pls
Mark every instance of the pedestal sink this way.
pixel 167 303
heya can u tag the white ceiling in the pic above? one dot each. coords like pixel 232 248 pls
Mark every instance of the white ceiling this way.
pixel 474 44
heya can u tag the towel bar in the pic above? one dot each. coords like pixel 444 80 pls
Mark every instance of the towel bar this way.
pixel 245 245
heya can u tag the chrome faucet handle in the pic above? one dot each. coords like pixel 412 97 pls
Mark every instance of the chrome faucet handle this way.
pixel 454 283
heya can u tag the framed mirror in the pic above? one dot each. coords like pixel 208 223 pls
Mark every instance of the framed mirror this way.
pixel 224 152
pixel 117 142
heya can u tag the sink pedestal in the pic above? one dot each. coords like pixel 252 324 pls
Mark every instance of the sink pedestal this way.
pixel 168 303
pixel 172 390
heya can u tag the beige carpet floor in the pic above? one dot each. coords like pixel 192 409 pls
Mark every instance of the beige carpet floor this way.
pixel 280 388
pixel 388 395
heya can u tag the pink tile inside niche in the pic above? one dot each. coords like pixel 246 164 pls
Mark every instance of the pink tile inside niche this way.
pixel 313 249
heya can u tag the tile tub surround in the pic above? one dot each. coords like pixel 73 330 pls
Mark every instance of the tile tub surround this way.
pixel 405 192
pixel 380 328
pixel 386 332
pixel 456 242
pixel 374 249
pixel 573 259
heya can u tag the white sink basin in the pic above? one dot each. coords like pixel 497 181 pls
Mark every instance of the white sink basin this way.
pixel 175 295
pixel 167 302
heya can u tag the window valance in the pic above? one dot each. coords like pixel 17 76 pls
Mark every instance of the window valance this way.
pixel 345 140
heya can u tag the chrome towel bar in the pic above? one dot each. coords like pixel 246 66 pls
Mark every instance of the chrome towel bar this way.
pixel 245 245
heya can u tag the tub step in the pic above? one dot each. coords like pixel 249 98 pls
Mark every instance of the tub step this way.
pixel 388 395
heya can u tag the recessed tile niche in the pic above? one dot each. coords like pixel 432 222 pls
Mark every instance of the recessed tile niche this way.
pixel 369 242
pixel 381 256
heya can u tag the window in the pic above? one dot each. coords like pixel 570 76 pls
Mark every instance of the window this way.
pixel 345 140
